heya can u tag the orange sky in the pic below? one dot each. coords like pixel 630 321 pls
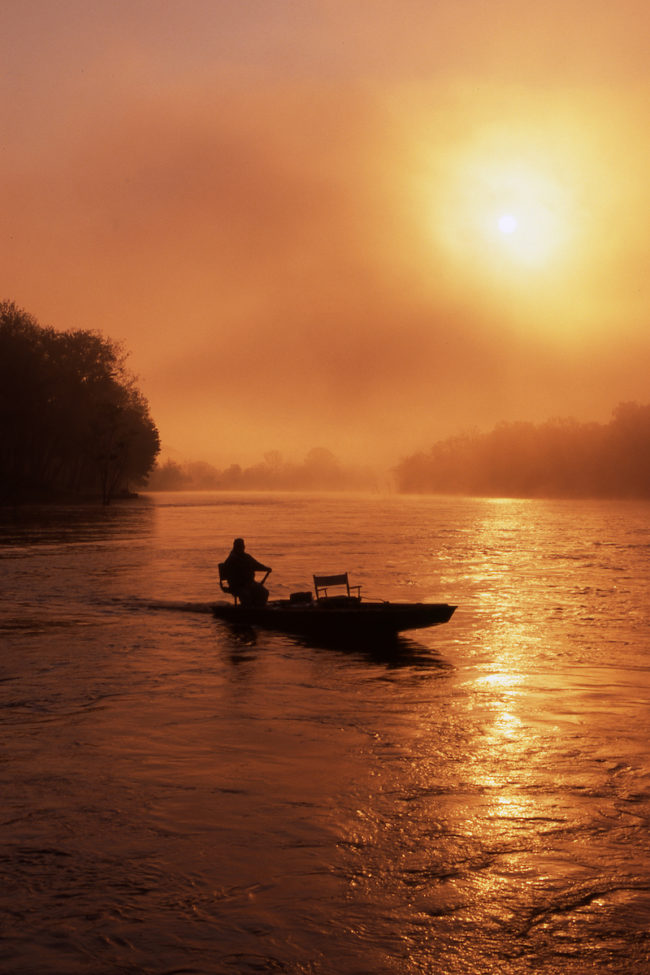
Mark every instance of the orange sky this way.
pixel 357 224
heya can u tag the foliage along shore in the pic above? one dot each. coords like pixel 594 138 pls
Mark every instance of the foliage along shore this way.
pixel 557 459
pixel 73 424
pixel 319 471
pixel 75 428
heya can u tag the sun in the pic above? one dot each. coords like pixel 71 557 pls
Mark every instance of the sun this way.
pixel 508 223
pixel 523 215
pixel 505 207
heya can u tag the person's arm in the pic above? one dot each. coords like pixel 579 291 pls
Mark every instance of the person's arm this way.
pixel 261 568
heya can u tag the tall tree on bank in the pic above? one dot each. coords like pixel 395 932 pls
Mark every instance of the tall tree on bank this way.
pixel 72 422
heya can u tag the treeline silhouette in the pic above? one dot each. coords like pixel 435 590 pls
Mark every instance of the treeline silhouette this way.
pixel 72 422
pixel 560 458
pixel 320 470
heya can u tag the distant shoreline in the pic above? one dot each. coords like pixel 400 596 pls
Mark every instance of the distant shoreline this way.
pixel 38 499
pixel 91 501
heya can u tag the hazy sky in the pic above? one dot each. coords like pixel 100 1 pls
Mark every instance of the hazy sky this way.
pixel 357 224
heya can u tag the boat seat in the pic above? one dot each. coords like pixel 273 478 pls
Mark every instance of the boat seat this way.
pixel 223 583
pixel 323 583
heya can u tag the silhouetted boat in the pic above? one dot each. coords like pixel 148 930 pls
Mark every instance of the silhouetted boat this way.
pixel 337 617
pixel 333 617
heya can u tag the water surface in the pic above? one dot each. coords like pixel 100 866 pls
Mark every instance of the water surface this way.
pixel 179 797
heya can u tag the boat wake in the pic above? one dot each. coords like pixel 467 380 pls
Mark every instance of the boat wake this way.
pixel 173 605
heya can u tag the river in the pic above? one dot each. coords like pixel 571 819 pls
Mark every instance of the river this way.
pixel 181 798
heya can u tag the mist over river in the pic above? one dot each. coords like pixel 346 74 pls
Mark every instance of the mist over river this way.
pixel 178 797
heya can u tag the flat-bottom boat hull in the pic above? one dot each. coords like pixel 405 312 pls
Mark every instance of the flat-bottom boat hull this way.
pixel 334 619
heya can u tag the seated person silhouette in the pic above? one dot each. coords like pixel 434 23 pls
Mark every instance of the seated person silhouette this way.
pixel 239 570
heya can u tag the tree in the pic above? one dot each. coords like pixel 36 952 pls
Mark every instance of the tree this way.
pixel 560 458
pixel 72 421
pixel 169 476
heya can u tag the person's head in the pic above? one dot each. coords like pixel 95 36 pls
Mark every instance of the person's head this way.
pixel 238 545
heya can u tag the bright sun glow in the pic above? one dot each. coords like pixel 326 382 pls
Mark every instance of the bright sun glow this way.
pixel 518 209
pixel 506 205
pixel 528 216
pixel 508 223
